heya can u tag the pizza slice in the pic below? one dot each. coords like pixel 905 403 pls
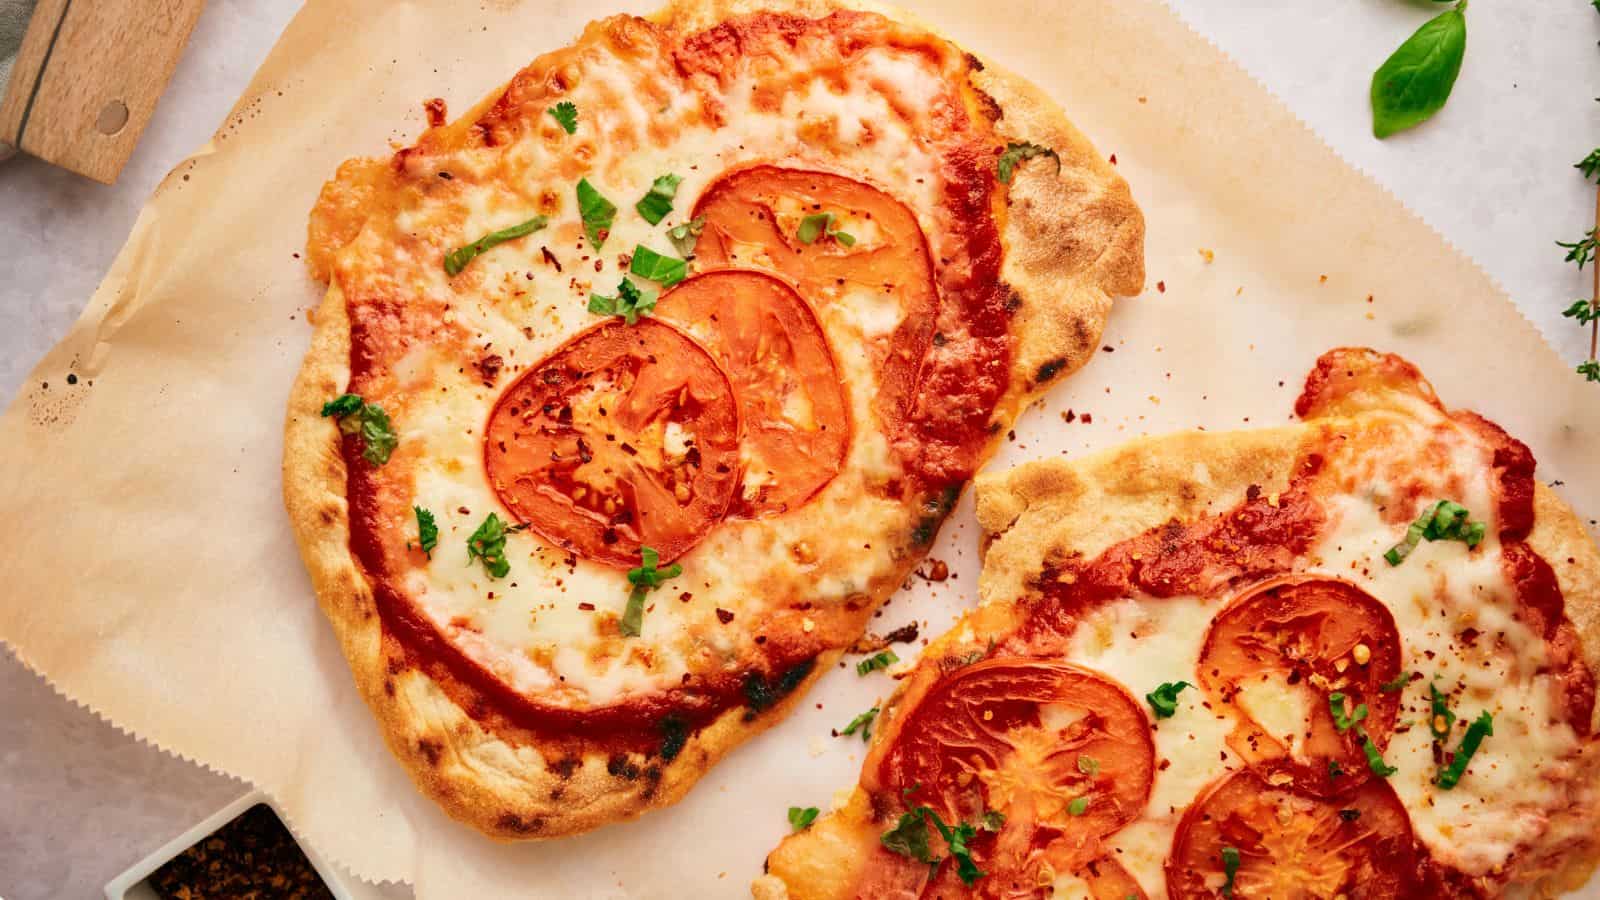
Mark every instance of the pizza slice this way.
pixel 1351 657
pixel 640 386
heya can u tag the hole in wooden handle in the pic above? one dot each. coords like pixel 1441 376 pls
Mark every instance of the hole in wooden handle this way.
pixel 113 116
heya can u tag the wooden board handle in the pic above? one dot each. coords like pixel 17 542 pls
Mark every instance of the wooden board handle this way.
pixel 88 76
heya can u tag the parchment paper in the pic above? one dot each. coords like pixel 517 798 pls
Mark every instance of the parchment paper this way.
pixel 148 572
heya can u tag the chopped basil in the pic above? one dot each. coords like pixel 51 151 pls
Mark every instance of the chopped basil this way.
pixel 566 113
pixel 909 837
pixel 820 225
pixel 1399 682
pixel 630 303
pixel 358 417
pixel 1016 153
pixel 1088 765
pixel 652 266
pixel 1374 756
pixel 646 578
pixel 1445 520
pixel 342 405
pixel 862 723
pixel 801 819
pixel 457 259
pixel 1341 721
pixel 427 531
pixel 880 660
pixel 993 820
pixel 597 212
pixel 488 543
pixel 655 205
pixel 1481 727
pixel 1440 718
pixel 1164 699
pixel 1230 868
pixel 1078 806
pixel 684 237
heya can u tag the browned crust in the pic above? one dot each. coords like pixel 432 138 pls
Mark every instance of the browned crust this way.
pixel 1073 242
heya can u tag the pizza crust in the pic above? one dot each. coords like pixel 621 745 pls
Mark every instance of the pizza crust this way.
pixel 1072 243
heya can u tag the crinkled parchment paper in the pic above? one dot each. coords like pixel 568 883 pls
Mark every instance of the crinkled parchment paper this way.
pixel 148 571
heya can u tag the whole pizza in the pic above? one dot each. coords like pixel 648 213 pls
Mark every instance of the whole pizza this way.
pixel 1352 657
pixel 639 387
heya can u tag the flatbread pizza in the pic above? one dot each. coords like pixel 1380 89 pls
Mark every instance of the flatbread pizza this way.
pixel 638 387
pixel 1351 657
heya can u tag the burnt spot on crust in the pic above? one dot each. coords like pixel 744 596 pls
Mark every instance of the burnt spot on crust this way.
pixel 1050 370
pixel 761 694
pixel 518 824
pixel 988 107
pixel 1013 302
pixel 430 749
pixel 619 766
pixel 565 766
pixel 674 735
pixel 652 778
pixel 388 686
pixel 328 515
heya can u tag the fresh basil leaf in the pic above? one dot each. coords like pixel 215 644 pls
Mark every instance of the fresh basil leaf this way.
pixel 457 259
pixel 342 405
pixel 655 205
pixel 427 531
pixel 630 303
pixel 377 435
pixel 597 213
pixel 1078 806
pixel 1230 868
pixel 1164 699
pixel 909 837
pixel 566 114
pixel 801 819
pixel 1480 728
pixel 1016 153
pixel 684 237
pixel 881 660
pixel 1415 81
pixel 652 266
pixel 488 544
pixel 820 225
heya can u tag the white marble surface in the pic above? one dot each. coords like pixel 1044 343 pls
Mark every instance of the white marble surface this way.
pixel 80 801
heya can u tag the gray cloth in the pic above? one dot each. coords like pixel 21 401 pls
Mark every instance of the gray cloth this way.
pixel 13 22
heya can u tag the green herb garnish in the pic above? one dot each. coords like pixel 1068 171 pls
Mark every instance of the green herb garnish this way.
pixel 630 303
pixel 358 417
pixel 1164 699
pixel 1088 765
pixel 883 659
pixel 1016 153
pixel 991 820
pixel 1374 756
pixel 1440 718
pixel 1584 311
pixel 684 237
pixel 1580 251
pixel 820 225
pixel 457 259
pixel 1445 520
pixel 655 205
pixel 909 837
pixel 342 405
pixel 652 266
pixel 862 723
pixel 1230 868
pixel 646 578
pixel 488 543
pixel 1416 80
pixel 1399 682
pixel 565 113
pixel 427 531
pixel 1341 721
pixel 801 819
pixel 1589 165
pixel 1481 727
pixel 597 213
pixel 1078 806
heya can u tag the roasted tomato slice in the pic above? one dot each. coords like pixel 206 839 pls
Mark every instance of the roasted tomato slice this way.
pixel 1279 653
pixel 1062 752
pixel 1291 845
pixel 625 437
pixel 791 398
pixel 753 218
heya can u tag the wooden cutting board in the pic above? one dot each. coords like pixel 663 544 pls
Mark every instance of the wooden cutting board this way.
pixel 87 79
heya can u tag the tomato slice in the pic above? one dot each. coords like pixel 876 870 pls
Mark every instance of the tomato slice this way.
pixel 791 398
pixel 1299 638
pixel 1293 846
pixel 624 437
pixel 753 218
pixel 1030 739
